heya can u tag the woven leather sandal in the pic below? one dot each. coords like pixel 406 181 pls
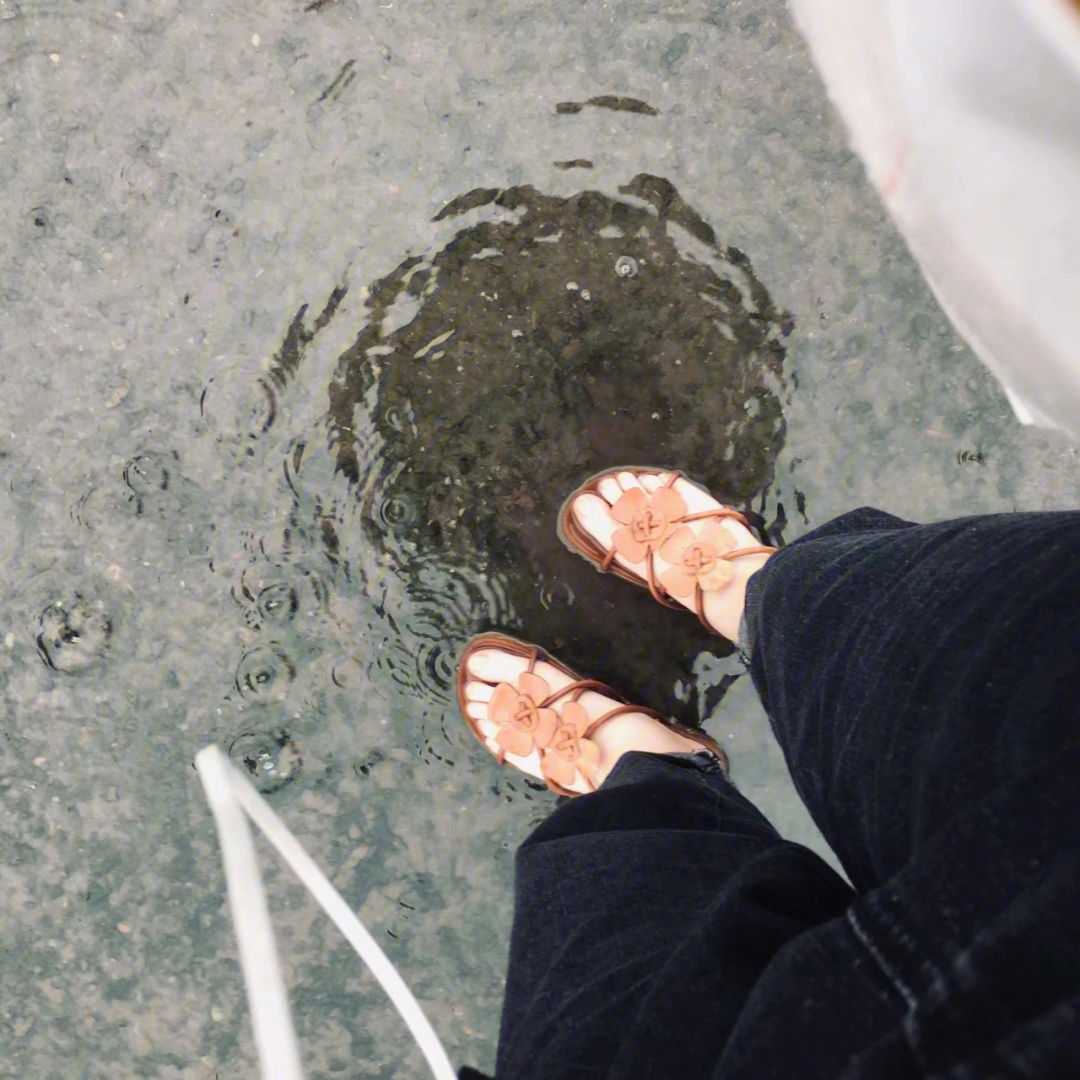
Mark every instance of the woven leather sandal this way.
pixel 546 733
pixel 658 524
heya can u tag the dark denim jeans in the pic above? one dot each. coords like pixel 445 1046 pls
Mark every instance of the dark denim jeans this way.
pixel 924 683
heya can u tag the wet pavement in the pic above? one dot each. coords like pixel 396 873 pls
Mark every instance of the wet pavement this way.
pixel 311 315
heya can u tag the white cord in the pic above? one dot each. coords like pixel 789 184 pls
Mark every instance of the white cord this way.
pixel 275 1035
pixel 231 795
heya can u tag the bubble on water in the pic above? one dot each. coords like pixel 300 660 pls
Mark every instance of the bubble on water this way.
pixel 264 671
pixel 74 633
pixel 626 266
pixel 270 758
pixel 101 503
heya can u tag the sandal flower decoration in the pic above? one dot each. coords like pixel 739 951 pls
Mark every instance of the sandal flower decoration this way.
pixel 647 520
pixel 696 560
pixel 527 724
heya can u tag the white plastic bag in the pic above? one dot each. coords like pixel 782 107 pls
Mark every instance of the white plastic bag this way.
pixel 967 116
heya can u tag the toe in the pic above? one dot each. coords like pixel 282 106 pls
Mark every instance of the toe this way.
pixel 593 514
pixel 609 488
pixel 478 691
pixel 695 498
pixel 478 710
pixel 495 665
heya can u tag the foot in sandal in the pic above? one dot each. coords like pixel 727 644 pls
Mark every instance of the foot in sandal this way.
pixel 537 715
pixel 658 529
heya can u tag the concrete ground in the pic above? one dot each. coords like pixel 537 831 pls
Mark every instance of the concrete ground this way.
pixel 208 529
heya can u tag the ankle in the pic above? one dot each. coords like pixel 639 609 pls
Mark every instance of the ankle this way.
pixel 724 608
pixel 636 731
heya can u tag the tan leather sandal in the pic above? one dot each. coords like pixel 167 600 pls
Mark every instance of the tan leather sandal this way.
pixel 657 524
pixel 545 733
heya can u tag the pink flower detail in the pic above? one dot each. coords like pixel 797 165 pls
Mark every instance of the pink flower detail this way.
pixel 568 751
pixel 648 521
pixel 523 725
pixel 696 560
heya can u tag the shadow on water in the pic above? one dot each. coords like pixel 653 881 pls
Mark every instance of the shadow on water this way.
pixel 550 338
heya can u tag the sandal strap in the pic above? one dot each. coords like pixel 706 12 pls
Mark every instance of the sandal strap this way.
pixel 720 512
pixel 655 587
pixel 577 689
pixel 759 550
pixel 620 711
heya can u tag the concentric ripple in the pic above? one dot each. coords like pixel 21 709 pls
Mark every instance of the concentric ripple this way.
pixel 74 633
pixel 270 758
pixel 264 672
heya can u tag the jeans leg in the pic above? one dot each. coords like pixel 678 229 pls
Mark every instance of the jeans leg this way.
pixel 911 670
pixel 633 905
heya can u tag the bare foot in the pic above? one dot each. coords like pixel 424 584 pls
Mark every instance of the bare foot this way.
pixel 487 668
pixel 723 606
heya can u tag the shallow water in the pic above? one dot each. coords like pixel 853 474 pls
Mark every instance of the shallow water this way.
pixel 311 316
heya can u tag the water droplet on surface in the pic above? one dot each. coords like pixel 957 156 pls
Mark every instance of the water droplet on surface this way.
pixel 398 417
pixel 74 634
pixel 396 513
pixel 556 594
pixel 625 266
pixel 277 602
pixel 270 758
pixel 148 473
pixel 264 671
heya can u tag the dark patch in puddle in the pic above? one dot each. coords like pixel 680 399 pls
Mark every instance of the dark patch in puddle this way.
pixel 527 360
pixel 577 163
pixel 609 101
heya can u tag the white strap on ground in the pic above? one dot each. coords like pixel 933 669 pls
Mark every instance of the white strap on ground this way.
pixel 231 796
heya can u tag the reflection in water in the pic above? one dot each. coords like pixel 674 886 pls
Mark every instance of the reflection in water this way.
pixel 548 339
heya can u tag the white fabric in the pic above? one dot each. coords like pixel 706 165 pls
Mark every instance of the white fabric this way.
pixel 967 116
pixel 231 796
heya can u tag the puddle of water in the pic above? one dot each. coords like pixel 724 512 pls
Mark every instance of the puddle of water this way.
pixel 547 339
